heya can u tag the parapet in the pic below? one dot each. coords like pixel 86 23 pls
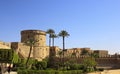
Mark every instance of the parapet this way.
pixel 33 31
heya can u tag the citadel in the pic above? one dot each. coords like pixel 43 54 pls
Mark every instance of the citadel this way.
pixel 41 50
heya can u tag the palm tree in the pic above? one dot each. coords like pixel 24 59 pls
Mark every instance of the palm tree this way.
pixel 50 32
pixel 60 55
pixel 63 34
pixel 30 42
pixel 53 36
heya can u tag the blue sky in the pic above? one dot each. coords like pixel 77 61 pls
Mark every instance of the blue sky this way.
pixel 90 23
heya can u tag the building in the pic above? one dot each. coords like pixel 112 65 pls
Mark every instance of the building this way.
pixel 40 49
pixel 76 52
pixel 101 53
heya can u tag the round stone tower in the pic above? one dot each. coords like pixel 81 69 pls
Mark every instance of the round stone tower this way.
pixel 38 35
pixel 39 49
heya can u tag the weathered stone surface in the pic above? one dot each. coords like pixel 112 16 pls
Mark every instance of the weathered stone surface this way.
pixel 4 45
pixel 40 49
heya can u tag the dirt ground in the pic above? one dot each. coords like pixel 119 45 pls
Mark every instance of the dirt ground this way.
pixel 108 72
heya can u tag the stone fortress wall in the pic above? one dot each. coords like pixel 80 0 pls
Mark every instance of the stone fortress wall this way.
pixel 76 51
pixel 21 49
pixel 38 35
pixel 4 45
pixel 41 50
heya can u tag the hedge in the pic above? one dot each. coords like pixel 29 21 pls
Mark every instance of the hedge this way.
pixel 49 72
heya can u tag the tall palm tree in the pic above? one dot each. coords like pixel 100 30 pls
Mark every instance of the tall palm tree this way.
pixel 53 36
pixel 63 34
pixel 30 42
pixel 50 32
pixel 60 55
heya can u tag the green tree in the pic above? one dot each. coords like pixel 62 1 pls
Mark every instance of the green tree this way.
pixel 21 63
pixel 63 34
pixel 89 63
pixel 30 42
pixel 50 32
pixel 6 56
pixel 15 58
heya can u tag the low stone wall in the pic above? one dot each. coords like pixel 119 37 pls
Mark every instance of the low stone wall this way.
pixel 106 62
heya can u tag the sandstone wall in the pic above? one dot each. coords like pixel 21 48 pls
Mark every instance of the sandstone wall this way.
pixel 4 45
pixel 40 50
pixel 54 51
pixel 40 53
pixel 38 35
pixel 21 49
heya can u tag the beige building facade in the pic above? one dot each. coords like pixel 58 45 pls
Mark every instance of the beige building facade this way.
pixel 40 49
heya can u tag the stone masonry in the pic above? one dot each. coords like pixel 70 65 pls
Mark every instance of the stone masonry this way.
pixel 40 49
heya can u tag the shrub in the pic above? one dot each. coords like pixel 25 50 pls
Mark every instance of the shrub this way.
pixel 41 65
pixel 49 72
pixel 18 68
pixel 58 72
pixel 22 72
pixel 21 68
pixel 74 67
pixel 100 69
pixel 14 69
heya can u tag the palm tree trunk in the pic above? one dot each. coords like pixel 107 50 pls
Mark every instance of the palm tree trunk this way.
pixel 63 43
pixel 49 41
pixel 29 56
pixel 63 49
pixel 53 42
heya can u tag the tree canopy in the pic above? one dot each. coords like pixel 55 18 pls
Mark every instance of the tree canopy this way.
pixel 6 55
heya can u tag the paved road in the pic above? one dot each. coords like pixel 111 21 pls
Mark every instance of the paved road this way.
pixel 11 72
